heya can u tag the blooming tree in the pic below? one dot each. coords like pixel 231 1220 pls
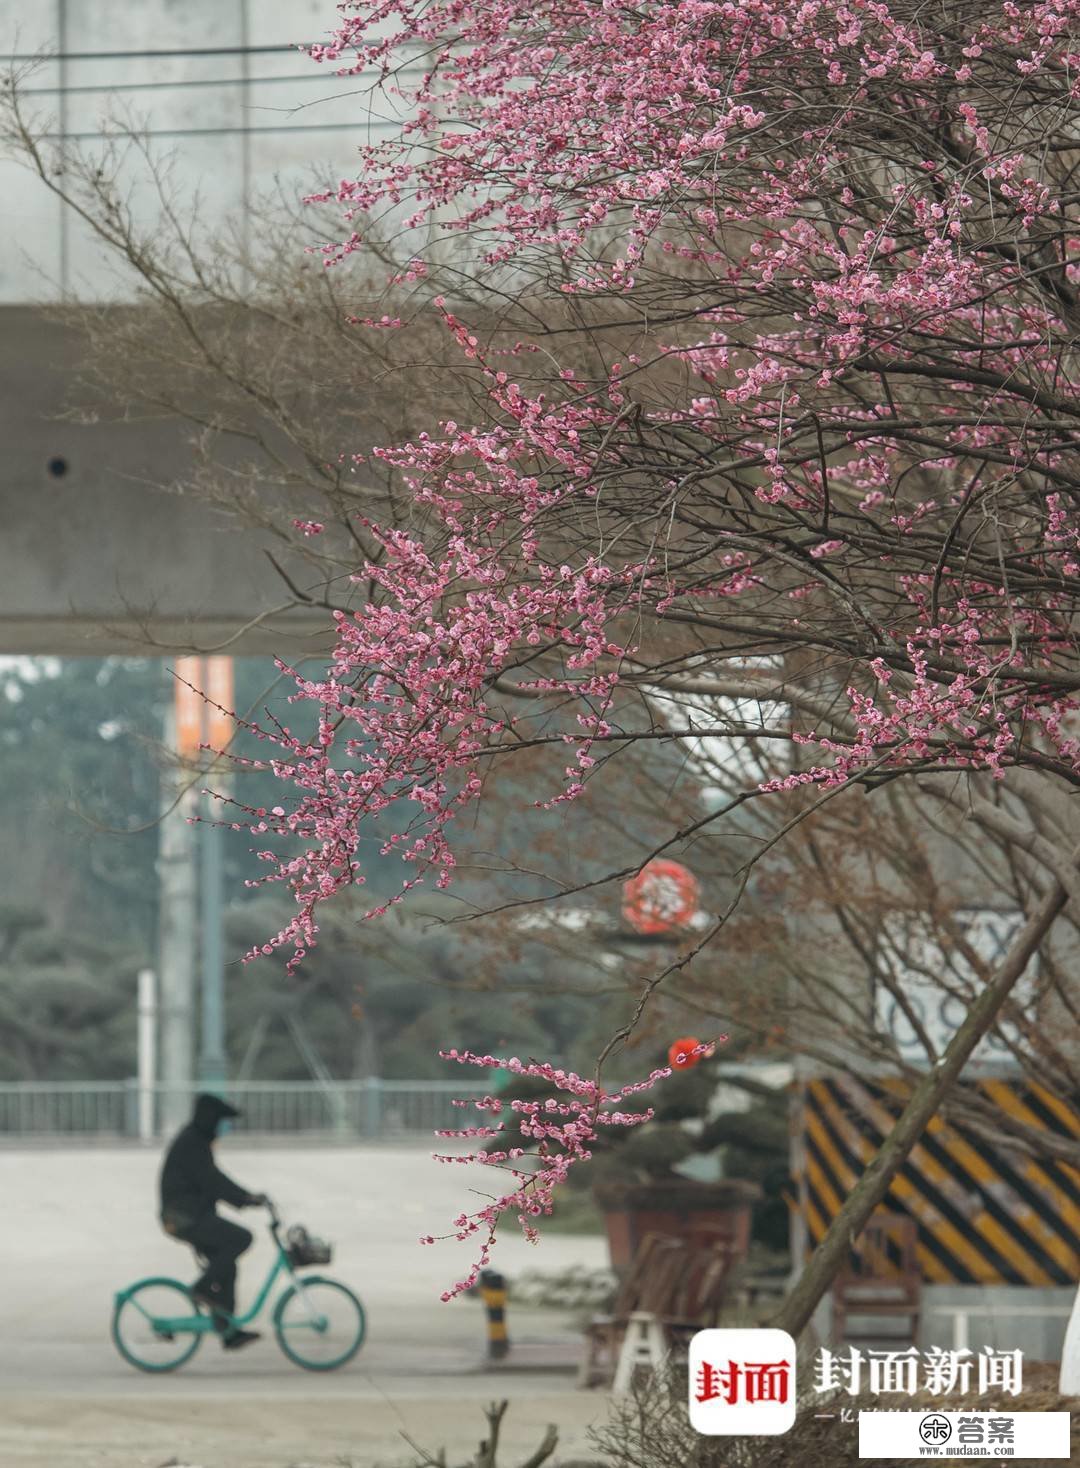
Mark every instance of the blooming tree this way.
pixel 846 442
pixel 775 406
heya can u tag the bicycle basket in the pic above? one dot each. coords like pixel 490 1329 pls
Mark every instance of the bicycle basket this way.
pixel 304 1249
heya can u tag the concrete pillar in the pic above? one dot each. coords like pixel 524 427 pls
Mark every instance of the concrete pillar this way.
pixel 212 1062
pixel 147 1053
pixel 177 933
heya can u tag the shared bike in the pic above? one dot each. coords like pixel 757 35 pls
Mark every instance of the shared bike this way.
pixel 158 1325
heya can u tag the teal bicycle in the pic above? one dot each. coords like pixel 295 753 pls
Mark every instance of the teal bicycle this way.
pixel 319 1323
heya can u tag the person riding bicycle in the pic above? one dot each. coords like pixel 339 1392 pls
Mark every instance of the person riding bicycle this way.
pixel 191 1186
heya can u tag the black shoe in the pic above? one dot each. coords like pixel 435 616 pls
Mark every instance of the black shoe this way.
pixel 235 1340
pixel 205 1296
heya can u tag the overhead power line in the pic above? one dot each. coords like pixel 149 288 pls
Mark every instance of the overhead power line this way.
pixel 363 125
pixel 215 81
pixel 219 81
pixel 144 55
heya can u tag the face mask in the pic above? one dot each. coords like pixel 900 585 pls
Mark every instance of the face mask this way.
pixel 224 1126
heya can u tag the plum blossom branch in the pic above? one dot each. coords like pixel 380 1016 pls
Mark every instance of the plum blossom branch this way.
pixel 563 1128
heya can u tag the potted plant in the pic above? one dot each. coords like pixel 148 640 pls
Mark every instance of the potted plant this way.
pixel 688 1172
pixel 671 1176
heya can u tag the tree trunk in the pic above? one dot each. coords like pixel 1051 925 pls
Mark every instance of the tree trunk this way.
pixel 925 1100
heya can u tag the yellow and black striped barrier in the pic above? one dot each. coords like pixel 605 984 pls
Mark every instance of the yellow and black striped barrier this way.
pixel 986 1214
pixel 493 1294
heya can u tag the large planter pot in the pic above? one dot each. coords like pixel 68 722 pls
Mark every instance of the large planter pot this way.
pixel 700 1213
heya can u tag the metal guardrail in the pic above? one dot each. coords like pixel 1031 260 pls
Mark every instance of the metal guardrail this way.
pixel 371 1108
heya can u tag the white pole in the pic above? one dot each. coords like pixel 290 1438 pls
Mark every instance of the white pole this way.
pixel 1069 1385
pixel 147 1052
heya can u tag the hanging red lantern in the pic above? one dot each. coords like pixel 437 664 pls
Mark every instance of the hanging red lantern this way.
pixel 661 898
pixel 685 1053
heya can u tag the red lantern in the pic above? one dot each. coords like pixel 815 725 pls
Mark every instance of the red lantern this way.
pixel 685 1053
pixel 662 897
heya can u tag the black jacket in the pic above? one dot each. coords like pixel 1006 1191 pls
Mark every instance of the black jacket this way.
pixel 191 1182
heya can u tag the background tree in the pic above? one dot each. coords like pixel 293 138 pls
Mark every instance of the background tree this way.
pixel 82 742
pixel 79 740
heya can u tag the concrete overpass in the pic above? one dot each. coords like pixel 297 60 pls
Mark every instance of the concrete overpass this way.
pixel 95 558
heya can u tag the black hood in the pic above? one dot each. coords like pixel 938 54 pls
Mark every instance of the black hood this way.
pixel 210 1112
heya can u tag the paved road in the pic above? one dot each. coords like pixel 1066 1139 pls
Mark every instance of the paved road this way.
pixel 75 1224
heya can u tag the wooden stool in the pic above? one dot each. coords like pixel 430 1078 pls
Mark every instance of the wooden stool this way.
pixel 643 1345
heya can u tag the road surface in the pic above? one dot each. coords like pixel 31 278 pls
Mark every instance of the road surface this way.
pixel 77 1223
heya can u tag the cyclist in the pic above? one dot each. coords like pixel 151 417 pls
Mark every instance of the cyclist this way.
pixel 191 1187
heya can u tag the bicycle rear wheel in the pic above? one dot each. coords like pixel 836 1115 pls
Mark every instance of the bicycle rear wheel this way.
pixel 319 1323
pixel 157 1326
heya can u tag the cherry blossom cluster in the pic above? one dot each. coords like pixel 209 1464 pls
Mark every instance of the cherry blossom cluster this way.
pixel 569 114
pixel 847 428
pixel 414 729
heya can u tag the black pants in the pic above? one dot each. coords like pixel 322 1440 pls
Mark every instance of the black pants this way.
pixel 220 1243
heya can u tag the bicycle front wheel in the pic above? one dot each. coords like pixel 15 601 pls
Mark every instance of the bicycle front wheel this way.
pixel 319 1323
pixel 157 1326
